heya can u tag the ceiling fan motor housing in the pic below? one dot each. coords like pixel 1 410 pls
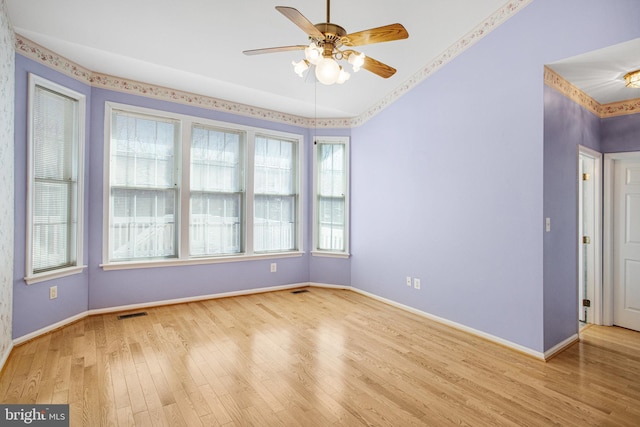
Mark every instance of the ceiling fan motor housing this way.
pixel 333 35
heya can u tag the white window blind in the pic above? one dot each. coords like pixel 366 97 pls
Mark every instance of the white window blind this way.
pixel 275 195
pixel 217 192
pixel 54 189
pixel 143 187
pixel 331 203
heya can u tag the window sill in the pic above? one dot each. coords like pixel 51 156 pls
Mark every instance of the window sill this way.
pixel 54 274
pixel 127 265
pixel 344 255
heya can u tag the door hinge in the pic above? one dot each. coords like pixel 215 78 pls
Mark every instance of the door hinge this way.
pixel 586 240
pixel 586 177
pixel 586 303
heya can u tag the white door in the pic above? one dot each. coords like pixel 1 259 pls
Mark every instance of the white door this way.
pixel 626 244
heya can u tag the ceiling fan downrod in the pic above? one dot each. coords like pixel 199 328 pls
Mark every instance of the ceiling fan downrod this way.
pixel 328 11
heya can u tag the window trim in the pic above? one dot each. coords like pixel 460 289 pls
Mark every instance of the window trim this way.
pixel 184 191
pixel 31 277
pixel 314 194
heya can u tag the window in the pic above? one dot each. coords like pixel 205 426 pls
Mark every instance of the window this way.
pixel 275 195
pixel 55 187
pixel 143 187
pixel 217 192
pixel 331 202
pixel 185 190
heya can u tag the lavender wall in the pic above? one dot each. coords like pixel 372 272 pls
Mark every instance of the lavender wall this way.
pixel 621 134
pixel 448 186
pixel 32 308
pixel 117 288
pixel 566 125
pixel 96 288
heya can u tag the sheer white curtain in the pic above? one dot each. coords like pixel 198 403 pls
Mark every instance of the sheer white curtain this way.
pixel 217 192
pixel 143 187
pixel 275 195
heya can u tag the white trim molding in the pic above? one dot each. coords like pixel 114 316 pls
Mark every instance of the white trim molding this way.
pixel 497 340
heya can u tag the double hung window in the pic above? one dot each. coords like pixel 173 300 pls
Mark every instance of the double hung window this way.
pixel 217 192
pixel 186 190
pixel 331 202
pixel 143 187
pixel 55 180
pixel 275 195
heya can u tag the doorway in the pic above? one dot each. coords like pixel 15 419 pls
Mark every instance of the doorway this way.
pixel 589 232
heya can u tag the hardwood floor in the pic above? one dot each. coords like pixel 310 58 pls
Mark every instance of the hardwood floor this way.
pixel 324 357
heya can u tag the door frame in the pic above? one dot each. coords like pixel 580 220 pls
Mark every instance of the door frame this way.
pixel 610 160
pixel 596 241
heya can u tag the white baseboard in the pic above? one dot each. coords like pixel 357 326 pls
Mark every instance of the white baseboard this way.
pixel 538 355
pixel 459 326
pixel 49 328
pixel 561 346
pixel 130 307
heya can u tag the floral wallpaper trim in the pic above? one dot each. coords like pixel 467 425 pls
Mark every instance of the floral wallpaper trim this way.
pixel 621 108
pixel 34 51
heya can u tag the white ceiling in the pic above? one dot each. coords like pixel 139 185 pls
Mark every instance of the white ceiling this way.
pixel 196 45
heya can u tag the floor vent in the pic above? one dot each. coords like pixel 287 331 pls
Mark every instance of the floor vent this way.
pixel 300 291
pixel 130 315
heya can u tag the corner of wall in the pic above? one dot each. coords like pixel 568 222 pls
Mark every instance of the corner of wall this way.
pixel 7 95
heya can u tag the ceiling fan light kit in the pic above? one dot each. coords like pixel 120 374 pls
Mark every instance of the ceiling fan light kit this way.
pixel 632 79
pixel 324 50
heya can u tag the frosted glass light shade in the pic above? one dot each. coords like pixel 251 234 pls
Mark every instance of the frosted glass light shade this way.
pixel 313 53
pixel 356 60
pixel 300 67
pixel 327 71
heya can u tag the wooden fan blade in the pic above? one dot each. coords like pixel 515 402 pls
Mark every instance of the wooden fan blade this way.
pixel 377 67
pixel 302 22
pixel 376 35
pixel 273 50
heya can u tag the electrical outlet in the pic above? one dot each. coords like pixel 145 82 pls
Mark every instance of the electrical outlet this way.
pixel 53 292
pixel 274 267
pixel 416 283
pixel 409 281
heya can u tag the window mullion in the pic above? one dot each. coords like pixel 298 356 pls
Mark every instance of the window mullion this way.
pixel 184 189
pixel 250 193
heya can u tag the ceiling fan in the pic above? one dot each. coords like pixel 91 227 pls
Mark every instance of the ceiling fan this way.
pixel 331 43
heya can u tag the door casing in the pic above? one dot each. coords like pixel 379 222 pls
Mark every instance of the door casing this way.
pixel 596 240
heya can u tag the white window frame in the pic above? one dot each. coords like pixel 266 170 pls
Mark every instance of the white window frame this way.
pixel 184 185
pixel 77 267
pixel 342 140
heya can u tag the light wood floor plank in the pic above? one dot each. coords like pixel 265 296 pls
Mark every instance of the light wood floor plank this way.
pixel 321 358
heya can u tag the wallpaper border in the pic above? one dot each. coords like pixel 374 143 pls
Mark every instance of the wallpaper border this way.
pixel 39 53
pixel 566 88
